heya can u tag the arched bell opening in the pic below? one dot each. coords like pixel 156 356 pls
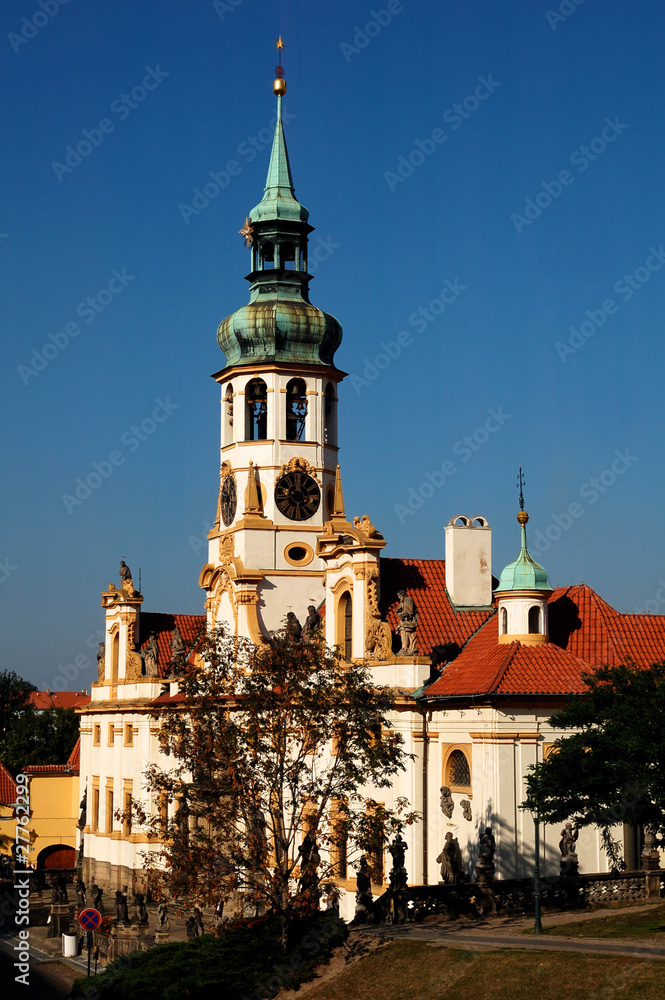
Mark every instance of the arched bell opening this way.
pixel 296 409
pixel 256 410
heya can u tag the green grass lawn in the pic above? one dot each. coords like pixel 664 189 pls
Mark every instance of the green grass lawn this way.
pixel 623 924
pixel 413 970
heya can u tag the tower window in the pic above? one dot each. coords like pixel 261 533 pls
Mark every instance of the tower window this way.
pixel 267 256
pixel 296 409
pixel 256 396
pixel 115 658
pixel 534 620
pixel 503 617
pixel 330 415
pixel 228 415
pixel 347 606
pixel 288 256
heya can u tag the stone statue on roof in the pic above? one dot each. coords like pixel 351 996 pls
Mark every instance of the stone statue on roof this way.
pixel 126 583
pixel 101 661
pixel 151 657
pixel 407 614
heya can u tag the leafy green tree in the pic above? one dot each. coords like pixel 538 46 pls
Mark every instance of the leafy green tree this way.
pixel 270 747
pixel 611 769
pixel 14 698
pixel 40 738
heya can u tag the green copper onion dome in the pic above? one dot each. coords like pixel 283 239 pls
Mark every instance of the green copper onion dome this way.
pixel 525 573
pixel 279 323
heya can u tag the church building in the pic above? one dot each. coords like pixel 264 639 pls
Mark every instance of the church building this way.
pixel 477 667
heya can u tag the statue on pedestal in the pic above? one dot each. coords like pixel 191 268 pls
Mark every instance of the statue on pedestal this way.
pixel 312 623
pixel 293 627
pixel 364 908
pixel 398 874
pixel 485 863
pixel 141 910
pixel 569 860
pixel 121 913
pixel 450 860
pixel 164 924
pixel 80 894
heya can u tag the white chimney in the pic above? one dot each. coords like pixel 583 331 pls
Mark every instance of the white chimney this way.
pixel 469 561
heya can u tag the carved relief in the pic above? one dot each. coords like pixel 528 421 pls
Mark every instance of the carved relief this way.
pixel 247 597
pixel 223 585
pixel 300 465
pixel 378 636
pixel 365 525
pixel 226 549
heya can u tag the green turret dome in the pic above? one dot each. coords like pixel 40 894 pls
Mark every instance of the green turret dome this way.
pixel 279 323
pixel 525 573
pixel 279 329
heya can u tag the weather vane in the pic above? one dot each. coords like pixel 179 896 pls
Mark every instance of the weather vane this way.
pixel 520 483
pixel 279 86
pixel 246 232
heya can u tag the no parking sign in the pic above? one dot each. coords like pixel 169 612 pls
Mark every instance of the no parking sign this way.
pixel 90 919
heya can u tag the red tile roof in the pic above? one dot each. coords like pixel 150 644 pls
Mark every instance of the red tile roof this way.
pixel 585 632
pixel 425 581
pixel 163 625
pixel 487 666
pixel 43 700
pixel 71 767
pixel 7 787
pixel 587 626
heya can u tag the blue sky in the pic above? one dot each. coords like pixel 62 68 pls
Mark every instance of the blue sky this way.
pixel 534 207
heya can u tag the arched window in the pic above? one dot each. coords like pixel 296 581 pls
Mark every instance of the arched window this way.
pixel 330 415
pixel 296 409
pixel 458 772
pixel 228 415
pixel 346 610
pixel 115 657
pixel 534 620
pixel 256 396
pixel 503 617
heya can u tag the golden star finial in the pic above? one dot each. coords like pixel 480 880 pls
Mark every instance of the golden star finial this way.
pixel 279 44
pixel 246 232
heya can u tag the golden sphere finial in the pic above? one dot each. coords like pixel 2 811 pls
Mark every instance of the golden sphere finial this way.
pixel 279 86
pixel 522 517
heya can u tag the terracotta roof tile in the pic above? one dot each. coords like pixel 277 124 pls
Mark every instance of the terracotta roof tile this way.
pixel 425 581
pixel 163 625
pixel 74 761
pixel 7 787
pixel 43 700
pixel 585 632
pixel 71 767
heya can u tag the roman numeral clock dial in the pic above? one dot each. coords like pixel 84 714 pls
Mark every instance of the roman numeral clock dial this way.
pixel 297 496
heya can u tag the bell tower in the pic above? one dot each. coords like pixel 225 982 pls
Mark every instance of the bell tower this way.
pixel 278 422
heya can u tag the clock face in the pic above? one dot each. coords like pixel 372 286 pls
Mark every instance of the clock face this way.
pixel 228 499
pixel 297 495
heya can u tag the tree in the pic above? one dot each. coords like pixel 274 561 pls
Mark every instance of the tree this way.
pixel 612 768
pixel 40 738
pixel 270 746
pixel 14 698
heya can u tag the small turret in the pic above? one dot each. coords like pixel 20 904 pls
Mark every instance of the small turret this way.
pixel 523 590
